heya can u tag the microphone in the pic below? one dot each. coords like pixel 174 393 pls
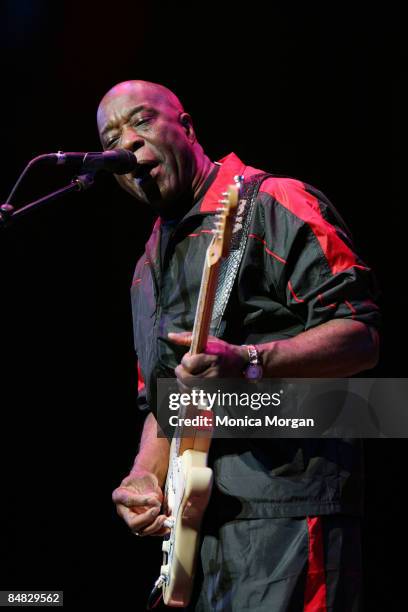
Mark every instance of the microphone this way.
pixel 119 161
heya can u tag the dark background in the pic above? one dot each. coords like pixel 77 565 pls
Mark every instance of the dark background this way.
pixel 309 92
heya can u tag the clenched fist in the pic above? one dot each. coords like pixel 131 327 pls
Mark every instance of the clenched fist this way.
pixel 138 501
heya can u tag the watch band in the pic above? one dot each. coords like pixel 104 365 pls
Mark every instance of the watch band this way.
pixel 252 353
pixel 253 371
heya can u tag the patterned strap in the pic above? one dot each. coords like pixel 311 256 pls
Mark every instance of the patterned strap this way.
pixel 230 266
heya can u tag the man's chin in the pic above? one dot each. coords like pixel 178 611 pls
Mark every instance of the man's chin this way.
pixel 150 191
pixel 146 190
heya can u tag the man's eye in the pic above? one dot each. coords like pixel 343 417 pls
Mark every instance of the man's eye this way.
pixel 142 121
pixel 110 143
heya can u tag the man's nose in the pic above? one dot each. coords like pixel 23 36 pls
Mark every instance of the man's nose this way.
pixel 131 140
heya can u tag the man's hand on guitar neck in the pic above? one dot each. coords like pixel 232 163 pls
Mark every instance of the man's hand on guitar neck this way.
pixel 220 360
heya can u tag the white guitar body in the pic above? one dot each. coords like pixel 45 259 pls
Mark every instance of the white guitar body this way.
pixel 188 490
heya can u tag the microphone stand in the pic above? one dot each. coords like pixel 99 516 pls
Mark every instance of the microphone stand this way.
pixel 80 183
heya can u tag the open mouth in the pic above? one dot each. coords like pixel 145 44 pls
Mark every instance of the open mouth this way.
pixel 143 170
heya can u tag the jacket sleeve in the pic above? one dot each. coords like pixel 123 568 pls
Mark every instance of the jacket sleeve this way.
pixel 320 276
pixel 142 402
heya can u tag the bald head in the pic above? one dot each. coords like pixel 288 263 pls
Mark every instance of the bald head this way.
pixel 158 94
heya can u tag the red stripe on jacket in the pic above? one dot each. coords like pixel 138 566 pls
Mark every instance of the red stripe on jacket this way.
pixel 295 297
pixel 315 590
pixel 256 237
pixel 292 194
pixel 140 381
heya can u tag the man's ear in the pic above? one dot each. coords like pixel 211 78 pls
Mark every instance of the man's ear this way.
pixel 187 124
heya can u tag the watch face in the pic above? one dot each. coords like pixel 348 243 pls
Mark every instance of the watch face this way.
pixel 253 371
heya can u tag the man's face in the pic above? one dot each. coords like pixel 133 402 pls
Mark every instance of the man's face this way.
pixel 140 118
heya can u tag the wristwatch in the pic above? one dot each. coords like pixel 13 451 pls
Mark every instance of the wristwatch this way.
pixel 253 372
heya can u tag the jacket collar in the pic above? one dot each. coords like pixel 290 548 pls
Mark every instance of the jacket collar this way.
pixel 231 165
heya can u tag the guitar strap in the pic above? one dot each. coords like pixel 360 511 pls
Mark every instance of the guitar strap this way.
pixel 229 267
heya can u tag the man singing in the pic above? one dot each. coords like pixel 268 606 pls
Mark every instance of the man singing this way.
pixel 282 529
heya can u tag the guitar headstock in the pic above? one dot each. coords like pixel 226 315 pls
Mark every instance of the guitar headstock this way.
pixel 224 220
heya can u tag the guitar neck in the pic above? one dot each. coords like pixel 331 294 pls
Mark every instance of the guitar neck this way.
pixel 205 306
pixel 217 249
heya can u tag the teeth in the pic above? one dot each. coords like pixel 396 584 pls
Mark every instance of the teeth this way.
pixel 221 209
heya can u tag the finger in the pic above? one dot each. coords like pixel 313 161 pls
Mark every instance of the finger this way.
pixel 182 387
pixel 195 364
pixel 136 521
pixel 137 513
pixel 182 338
pixel 156 528
pixel 185 379
pixel 163 532
pixel 128 498
pixel 141 486
pixel 141 522
pixel 131 499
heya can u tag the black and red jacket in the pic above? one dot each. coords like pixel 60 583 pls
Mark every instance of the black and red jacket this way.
pixel 298 271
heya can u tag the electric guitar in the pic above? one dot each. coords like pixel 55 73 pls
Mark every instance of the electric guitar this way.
pixel 189 480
